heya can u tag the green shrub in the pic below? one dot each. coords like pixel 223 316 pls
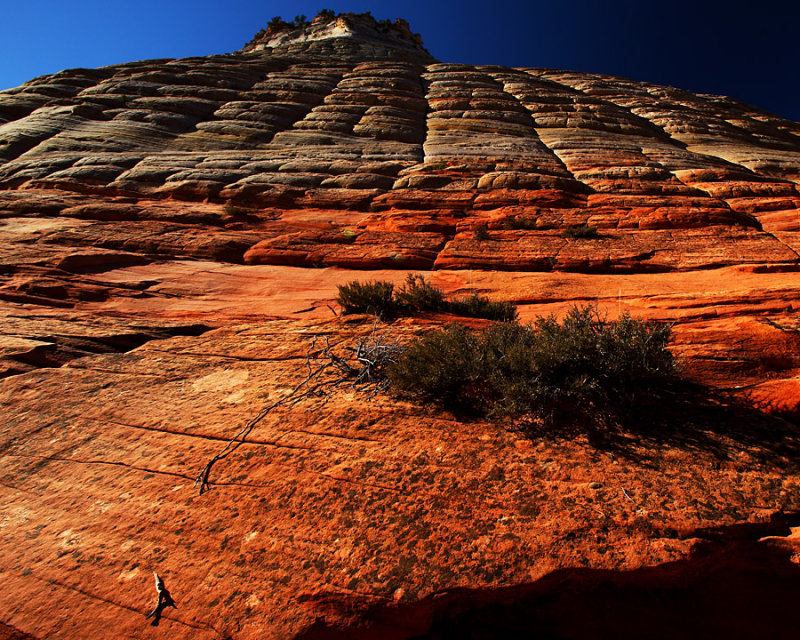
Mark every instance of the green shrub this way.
pixel 481 233
pixel 259 34
pixel 442 366
pixel 374 297
pixel 580 231
pixel 478 306
pixel 582 368
pixel 300 21
pixel 520 222
pixel 706 176
pixel 327 15
pixel 277 24
pixel 419 295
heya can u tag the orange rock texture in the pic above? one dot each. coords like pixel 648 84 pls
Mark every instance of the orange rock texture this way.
pixel 172 235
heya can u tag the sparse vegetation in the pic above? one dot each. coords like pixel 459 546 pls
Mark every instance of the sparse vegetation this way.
pixel 582 231
pixel 583 367
pixel 442 366
pixel 417 295
pixel 300 21
pixel 706 176
pixel 259 34
pixel 478 306
pixel 373 297
pixel 520 222
pixel 481 233
pixel 277 24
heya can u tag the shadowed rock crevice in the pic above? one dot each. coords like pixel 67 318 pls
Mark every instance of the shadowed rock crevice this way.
pixel 732 585
pixel 20 354
pixel 8 632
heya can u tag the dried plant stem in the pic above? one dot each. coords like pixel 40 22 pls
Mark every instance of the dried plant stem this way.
pixel 363 365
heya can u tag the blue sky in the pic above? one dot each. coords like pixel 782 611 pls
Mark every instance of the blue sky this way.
pixel 747 49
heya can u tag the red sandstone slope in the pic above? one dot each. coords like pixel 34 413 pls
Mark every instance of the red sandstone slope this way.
pixel 173 233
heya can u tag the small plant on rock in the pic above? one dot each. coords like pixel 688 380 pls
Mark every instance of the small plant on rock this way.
pixel 582 231
pixel 277 24
pixel 706 176
pixel 442 366
pixel 520 222
pixel 419 295
pixel 300 21
pixel 259 34
pixel 375 297
pixel 582 368
pixel 478 306
pixel 481 233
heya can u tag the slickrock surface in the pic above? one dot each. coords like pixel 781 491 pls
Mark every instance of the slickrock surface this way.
pixel 172 234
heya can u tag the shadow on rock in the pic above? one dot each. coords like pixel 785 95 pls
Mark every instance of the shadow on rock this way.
pixel 689 417
pixel 734 585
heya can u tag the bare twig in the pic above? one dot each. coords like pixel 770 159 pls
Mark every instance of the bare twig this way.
pixel 363 365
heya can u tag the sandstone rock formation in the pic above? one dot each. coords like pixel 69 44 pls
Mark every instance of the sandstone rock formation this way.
pixel 172 234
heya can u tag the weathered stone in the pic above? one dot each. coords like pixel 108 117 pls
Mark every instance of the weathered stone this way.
pixel 173 234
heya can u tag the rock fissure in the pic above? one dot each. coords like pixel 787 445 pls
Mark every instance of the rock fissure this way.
pixel 99 462
pixel 37 352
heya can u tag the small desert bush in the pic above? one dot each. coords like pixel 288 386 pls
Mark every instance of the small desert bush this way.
pixel 375 297
pixel 580 231
pixel 300 21
pixel 441 366
pixel 478 306
pixel 481 233
pixel 706 176
pixel 520 222
pixel 278 24
pixel 579 368
pixel 417 295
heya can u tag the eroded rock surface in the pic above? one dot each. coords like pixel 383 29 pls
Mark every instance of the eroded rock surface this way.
pixel 172 235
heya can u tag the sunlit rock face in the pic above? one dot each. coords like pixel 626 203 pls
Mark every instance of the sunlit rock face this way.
pixel 172 235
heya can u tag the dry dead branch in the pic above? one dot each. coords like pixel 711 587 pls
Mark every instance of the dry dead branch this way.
pixel 328 367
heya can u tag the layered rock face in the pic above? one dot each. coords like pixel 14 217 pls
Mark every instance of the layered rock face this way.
pixel 172 234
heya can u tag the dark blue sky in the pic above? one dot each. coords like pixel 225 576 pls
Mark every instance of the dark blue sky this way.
pixel 746 49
